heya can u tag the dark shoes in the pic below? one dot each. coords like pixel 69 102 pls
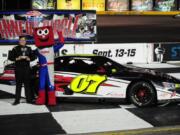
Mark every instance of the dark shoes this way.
pixel 31 101
pixel 16 103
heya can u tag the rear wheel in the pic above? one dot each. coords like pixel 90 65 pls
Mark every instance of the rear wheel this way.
pixel 142 94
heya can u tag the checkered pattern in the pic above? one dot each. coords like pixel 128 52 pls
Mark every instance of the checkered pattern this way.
pixel 78 116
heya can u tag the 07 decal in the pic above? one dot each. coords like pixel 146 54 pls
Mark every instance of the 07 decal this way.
pixel 87 83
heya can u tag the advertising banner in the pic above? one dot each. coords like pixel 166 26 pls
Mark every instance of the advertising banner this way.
pixel 98 5
pixel 68 4
pixel 142 5
pixel 122 53
pixel 167 52
pixel 43 4
pixel 76 26
pixel 117 5
pixel 165 5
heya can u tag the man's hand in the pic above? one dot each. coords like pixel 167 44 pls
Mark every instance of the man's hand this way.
pixel 19 58
pixel 23 58
pixel 27 58
pixel 61 38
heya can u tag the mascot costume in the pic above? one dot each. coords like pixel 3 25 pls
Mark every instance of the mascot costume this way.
pixel 44 41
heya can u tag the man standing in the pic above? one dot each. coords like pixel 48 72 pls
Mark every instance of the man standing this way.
pixel 22 55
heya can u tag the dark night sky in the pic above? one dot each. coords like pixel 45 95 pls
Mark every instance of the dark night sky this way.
pixel 16 4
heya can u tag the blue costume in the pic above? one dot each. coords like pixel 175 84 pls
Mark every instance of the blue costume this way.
pixel 46 73
pixel 46 61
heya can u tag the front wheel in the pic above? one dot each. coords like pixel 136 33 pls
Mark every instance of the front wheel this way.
pixel 142 94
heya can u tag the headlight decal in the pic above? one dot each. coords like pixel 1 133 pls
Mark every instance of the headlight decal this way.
pixel 169 85
pixel 177 86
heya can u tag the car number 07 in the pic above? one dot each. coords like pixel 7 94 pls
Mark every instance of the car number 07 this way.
pixel 87 83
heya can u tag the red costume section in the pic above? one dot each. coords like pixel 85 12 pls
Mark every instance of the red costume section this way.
pixel 44 36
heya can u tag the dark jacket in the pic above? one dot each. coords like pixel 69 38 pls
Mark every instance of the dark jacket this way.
pixel 21 51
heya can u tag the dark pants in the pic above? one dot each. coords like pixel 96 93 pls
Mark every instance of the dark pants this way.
pixel 23 75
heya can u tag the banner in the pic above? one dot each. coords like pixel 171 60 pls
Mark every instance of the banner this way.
pixel 165 5
pixel 122 53
pixel 77 26
pixel 68 4
pixel 167 52
pixel 117 5
pixel 98 5
pixel 43 4
pixel 142 5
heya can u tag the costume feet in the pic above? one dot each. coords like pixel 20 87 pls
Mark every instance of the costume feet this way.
pixel 51 98
pixel 41 98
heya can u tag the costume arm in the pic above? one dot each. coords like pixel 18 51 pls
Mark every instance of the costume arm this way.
pixel 57 47
pixel 61 42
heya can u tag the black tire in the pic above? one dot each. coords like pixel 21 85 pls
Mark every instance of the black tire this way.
pixel 142 94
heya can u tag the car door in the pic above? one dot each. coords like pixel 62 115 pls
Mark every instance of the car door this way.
pixel 72 74
pixel 87 77
pixel 113 86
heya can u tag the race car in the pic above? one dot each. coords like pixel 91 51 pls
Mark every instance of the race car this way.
pixel 100 77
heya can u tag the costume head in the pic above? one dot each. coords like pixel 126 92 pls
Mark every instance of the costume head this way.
pixel 44 36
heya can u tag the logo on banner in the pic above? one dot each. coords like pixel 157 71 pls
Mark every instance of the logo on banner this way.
pixel 34 16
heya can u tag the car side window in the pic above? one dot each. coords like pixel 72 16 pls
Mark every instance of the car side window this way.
pixel 81 65
pixel 74 64
pixel 104 66
pixel 61 64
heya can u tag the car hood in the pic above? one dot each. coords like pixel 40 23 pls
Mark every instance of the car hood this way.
pixel 152 74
